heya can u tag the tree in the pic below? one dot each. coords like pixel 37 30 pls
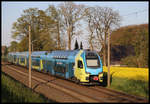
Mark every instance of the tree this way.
pixel 54 14
pixel 71 14
pixel 40 24
pixel 13 46
pixel 134 39
pixel 100 19
pixel 23 45
pixel 47 42
pixel 76 45
pixel 81 46
pixel 6 51
pixel 91 28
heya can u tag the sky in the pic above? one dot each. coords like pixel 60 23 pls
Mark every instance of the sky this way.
pixel 131 12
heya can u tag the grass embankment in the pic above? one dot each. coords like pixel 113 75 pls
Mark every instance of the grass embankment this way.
pixel 13 91
pixel 130 80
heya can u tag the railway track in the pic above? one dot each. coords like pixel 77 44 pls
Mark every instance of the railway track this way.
pixel 120 95
pixel 78 92
pixel 51 85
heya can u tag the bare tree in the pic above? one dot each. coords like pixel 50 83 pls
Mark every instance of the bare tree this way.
pixel 100 19
pixel 71 14
pixel 110 20
pixel 89 19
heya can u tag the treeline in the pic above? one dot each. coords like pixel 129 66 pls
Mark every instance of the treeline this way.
pixel 57 26
pixel 129 45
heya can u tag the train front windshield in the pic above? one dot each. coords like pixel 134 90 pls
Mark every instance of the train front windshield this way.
pixel 92 60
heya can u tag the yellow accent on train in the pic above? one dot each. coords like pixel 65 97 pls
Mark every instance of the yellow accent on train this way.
pixel 100 76
pixel 80 73
pixel 40 67
pixel 35 67
pixel 41 63
pixel 23 64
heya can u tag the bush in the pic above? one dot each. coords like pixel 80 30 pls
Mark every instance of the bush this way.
pixel 130 61
pixel 135 61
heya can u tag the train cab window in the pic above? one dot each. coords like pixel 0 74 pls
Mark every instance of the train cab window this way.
pixel 80 64
pixel 92 60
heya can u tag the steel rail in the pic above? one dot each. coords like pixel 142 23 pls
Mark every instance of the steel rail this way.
pixel 112 93
pixel 79 96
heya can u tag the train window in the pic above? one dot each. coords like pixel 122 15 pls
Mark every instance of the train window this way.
pixel 80 65
pixel 35 62
pixel 22 60
pixel 14 58
pixel 35 56
pixel 92 60
pixel 49 63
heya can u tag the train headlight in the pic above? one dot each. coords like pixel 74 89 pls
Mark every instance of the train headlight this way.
pixel 100 77
pixel 100 74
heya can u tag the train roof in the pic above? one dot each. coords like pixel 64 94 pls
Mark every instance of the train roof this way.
pixel 68 55
pixel 26 53
pixel 14 53
pixel 37 53
pixel 61 54
pixel 64 53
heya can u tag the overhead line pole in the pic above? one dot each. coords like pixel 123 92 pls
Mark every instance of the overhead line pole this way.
pixel 108 75
pixel 29 56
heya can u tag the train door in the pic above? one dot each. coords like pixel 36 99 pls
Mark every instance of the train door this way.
pixel 79 72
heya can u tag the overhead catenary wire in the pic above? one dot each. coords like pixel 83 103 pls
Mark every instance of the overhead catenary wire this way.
pixel 129 15
pixel 135 12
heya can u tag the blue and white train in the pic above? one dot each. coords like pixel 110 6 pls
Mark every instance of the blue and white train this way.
pixel 82 66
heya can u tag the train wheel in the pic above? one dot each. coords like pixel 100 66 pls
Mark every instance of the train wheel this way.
pixel 49 72
pixel 73 79
pixel 77 81
pixel 44 71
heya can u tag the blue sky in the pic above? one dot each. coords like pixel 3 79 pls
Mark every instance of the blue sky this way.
pixel 13 10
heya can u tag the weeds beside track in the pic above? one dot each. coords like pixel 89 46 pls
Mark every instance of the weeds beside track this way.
pixel 130 80
pixel 13 91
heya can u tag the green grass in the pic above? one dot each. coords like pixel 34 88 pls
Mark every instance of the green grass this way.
pixel 13 91
pixel 134 87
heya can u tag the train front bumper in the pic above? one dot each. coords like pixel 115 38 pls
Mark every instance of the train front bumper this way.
pixel 92 78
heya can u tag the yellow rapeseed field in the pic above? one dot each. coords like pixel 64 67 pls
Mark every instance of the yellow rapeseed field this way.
pixel 128 72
